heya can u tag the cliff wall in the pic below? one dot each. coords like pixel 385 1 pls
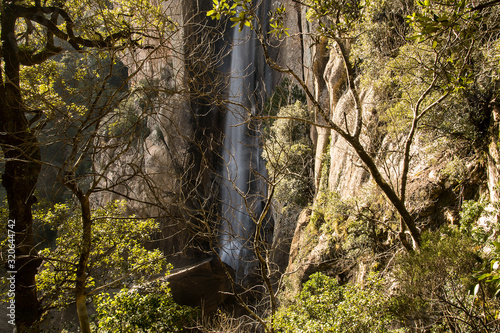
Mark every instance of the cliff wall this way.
pixel 168 172
pixel 351 225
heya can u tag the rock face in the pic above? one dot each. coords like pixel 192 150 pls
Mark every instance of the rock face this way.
pixel 438 183
pixel 168 171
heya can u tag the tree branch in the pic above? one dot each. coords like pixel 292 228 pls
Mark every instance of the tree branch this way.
pixel 485 5
pixel 352 87
pixel 29 58
pixel 37 14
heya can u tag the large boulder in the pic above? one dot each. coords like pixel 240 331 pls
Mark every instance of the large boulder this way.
pixel 205 284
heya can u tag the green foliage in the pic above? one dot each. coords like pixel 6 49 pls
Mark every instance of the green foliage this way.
pixel 38 85
pixel 289 155
pixel 325 306
pixel 70 80
pixel 242 13
pixel 401 67
pixel 360 239
pixel 489 273
pixel 291 126
pixel 436 20
pixel 89 82
pixel 380 34
pixel 405 67
pixel 277 18
pixel 470 214
pixel 455 170
pixel 355 222
pixel 335 18
pixel 220 8
pixel 239 11
pixel 118 254
pixel 330 212
pixel 149 308
pixel 478 221
pixel 98 18
pixel 43 235
pixel 484 233
pixel 435 286
pixel 127 120
pixel 404 82
pixel 451 28
pixel 286 93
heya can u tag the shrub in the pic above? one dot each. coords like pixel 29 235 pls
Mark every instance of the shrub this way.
pixel 289 155
pixel 330 212
pixel 118 255
pixel 470 214
pixel 149 309
pixel 325 306
pixel 435 286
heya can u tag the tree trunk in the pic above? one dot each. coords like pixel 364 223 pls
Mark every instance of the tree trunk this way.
pixel 494 155
pixel 20 199
pixel 81 272
pixel 22 168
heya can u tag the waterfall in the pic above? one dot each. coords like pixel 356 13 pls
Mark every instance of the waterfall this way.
pixel 241 190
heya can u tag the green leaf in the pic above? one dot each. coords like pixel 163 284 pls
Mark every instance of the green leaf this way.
pixel 484 276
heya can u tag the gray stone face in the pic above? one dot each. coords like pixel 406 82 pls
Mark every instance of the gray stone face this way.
pixel 168 167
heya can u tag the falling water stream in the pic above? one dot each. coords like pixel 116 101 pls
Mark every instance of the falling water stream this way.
pixel 241 189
